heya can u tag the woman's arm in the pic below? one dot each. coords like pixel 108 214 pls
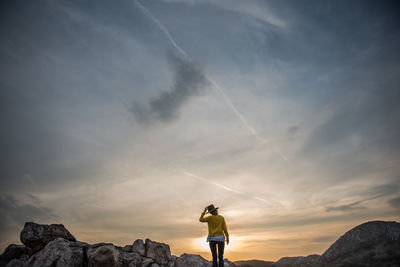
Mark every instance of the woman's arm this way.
pixel 225 230
pixel 202 219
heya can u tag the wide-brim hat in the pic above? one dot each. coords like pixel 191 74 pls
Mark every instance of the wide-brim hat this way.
pixel 211 208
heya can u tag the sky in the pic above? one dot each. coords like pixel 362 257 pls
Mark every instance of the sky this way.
pixel 123 119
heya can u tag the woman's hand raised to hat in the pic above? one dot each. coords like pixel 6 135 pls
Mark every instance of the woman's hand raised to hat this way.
pixel 205 209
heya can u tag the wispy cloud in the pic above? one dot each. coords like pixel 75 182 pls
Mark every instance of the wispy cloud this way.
pixel 224 187
pixel 347 207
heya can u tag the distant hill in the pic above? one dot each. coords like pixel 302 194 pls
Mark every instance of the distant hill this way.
pixel 254 263
pixel 372 244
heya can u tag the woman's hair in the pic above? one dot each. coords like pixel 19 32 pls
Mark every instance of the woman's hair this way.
pixel 214 212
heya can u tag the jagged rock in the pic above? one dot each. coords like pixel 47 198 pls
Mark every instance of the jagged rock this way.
pixel 147 262
pixel 127 248
pixel 128 259
pixel 36 236
pixel 58 253
pixel 186 260
pixel 374 243
pixel 160 252
pixel 102 256
pixel 14 252
pixel 309 261
pixel 138 247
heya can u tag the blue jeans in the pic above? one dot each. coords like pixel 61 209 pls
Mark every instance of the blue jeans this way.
pixel 213 247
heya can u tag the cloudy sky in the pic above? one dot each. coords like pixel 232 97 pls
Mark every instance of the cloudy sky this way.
pixel 124 119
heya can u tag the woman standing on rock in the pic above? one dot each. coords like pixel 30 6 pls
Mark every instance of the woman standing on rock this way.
pixel 216 230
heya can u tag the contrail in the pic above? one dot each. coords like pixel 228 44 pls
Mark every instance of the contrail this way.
pixel 165 31
pixel 161 27
pixel 213 183
pixel 223 186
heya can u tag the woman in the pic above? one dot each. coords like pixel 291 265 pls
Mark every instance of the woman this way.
pixel 216 230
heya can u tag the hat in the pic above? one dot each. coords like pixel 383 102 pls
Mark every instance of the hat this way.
pixel 211 208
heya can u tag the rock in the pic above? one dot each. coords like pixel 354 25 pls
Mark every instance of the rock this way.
pixel 14 252
pixel 127 248
pixel 138 247
pixel 191 260
pixel 374 243
pixel 102 256
pixel 128 259
pixel 228 263
pixel 147 262
pixel 16 263
pixel 36 236
pixel 160 252
pixel 309 261
pixel 58 253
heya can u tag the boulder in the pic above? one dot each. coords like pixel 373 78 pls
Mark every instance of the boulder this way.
pixel 138 247
pixel 146 262
pixel 14 252
pixel 36 236
pixel 102 256
pixel 191 260
pixel 59 253
pixel 128 259
pixel 159 252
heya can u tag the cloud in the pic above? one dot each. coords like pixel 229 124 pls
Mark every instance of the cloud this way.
pixel 20 213
pixel 394 202
pixel 14 214
pixel 293 130
pixel 189 82
pixel 347 207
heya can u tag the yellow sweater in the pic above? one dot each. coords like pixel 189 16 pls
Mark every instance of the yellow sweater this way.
pixel 216 225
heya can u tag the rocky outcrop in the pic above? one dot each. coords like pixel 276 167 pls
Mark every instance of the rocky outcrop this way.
pixel 370 244
pixel 59 252
pixel 54 246
pixel 159 252
pixel 374 243
pixel 36 236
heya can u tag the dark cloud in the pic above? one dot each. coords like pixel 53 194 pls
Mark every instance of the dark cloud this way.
pixel 293 130
pixel 348 207
pixel 14 215
pixel 395 202
pixel 189 82
pixel 371 193
pixel 20 213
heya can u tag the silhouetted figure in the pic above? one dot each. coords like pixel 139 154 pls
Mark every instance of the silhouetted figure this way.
pixel 216 230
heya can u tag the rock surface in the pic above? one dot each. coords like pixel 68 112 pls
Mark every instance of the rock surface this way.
pixel 160 252
pixel 36 236
pixel 370 244
pixel 59 252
